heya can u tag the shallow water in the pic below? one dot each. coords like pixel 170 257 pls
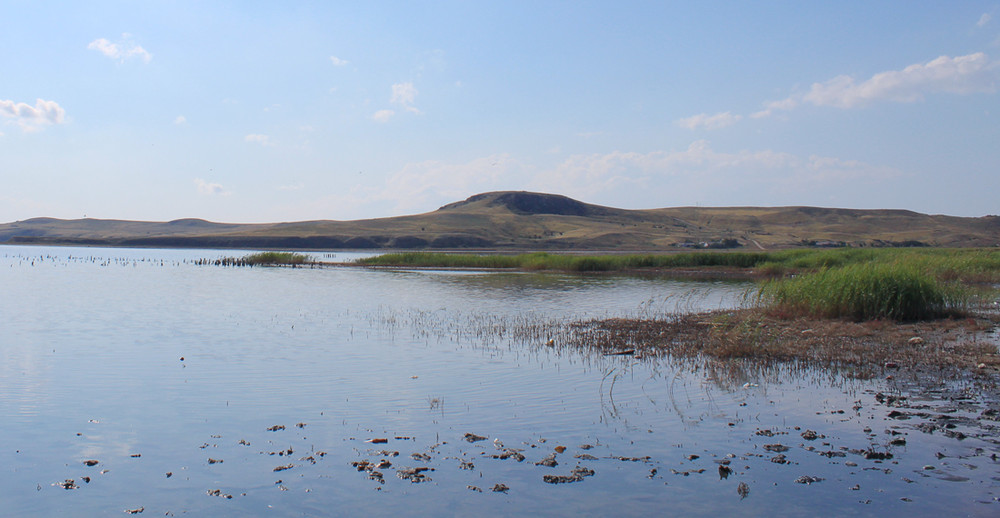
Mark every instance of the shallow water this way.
pixel 151 365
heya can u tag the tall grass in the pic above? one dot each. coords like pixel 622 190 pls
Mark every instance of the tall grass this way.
pixel 867 291
pixel 571 263
pixel 274 258
pixel 971 265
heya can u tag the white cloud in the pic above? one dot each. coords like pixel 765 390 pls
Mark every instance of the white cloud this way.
pixel 701 174
pixel 258 138
pixel 180 119
pixel 709 122
pixel 337 62
pixel 404 95
pixel 429 184
pixel 122 50
pixel 209 188
pixel 973 73
pixel 32 118
pixel 697 174
pixel 984 19
pixel 292 187
pixel 383 115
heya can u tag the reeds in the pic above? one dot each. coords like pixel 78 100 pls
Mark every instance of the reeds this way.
pixel 867 291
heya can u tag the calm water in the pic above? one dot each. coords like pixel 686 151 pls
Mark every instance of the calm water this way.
pixel 151 365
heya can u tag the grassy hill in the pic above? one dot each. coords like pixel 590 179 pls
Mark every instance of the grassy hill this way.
pixel 524 220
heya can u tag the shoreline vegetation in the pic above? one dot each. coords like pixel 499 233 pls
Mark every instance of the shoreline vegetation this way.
pixel 864 308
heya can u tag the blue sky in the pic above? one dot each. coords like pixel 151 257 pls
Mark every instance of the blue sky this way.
pixel 265 111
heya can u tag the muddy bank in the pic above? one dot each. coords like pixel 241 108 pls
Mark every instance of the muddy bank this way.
pixel 969 343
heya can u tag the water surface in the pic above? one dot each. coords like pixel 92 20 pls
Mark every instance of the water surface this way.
pixel 151 365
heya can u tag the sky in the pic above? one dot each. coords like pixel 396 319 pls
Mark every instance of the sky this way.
pixel 255 111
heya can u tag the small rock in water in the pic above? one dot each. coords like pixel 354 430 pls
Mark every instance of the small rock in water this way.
pixel 135 511
pixel 420 456
pixel 724 472
pixel 743 490
pixel 806 479
pixel 276 427
pixel 576 475
pixel 810 435
pixel 67 484
pixel 91 462
pixel 415 475
pixel 548 461
pixel 500 488
pixel 777 448
pixel 474 488
pixel 471 437
pixel 916 340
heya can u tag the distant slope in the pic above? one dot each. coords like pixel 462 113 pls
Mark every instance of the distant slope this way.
pixel 525 220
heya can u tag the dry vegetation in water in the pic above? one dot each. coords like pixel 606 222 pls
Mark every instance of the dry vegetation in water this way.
pixel 754 334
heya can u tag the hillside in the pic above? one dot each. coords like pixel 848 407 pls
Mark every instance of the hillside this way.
pixel 524 220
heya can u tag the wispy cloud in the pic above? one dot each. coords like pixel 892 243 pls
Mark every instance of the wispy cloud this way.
pixel 404 94
pixel 973 73
pixel 337 62
pixel 209 188
pixel 33 118
pixel 122 50
pixel 709 122
pixel 258 138
pixel 180 120
pixel 983 20
pixel 383 115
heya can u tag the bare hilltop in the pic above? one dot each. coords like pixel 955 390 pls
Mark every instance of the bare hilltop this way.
pixel 525 220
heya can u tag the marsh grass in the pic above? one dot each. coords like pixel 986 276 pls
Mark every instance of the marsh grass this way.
pixel 966 265
pixel 867 291
pixel 274 259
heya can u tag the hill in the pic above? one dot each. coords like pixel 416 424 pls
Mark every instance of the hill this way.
pixel 525 220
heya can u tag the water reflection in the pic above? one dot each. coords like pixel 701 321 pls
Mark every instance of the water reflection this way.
pixel 92 370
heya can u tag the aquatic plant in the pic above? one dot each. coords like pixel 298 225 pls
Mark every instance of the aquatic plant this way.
pixel 274 258
pixel 868 291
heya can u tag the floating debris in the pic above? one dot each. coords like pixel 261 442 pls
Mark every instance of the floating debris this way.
pixel 67 484
pixel 215 461
pixel 777 448
pixel 378 440
pixel 510 454
pixel 724 472
pixel 806 479
pixel 500 488
pixel 137 510
pixel 415 475
pixel 91 462
pixel 811 435
pixel 420 456
pixel 743 490
pixel 471 437
pixel 284 467
pixel 219 493
pixel 474 488
pixel 584 456
pixel 549 461
pixel 576 475
pixel 276 428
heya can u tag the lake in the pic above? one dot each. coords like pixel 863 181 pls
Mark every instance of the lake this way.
pixel 217 391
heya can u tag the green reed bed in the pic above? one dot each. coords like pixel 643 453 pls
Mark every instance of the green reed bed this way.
pixel 565 262
pixel 968 265
pixel 871 291
pixel 274 259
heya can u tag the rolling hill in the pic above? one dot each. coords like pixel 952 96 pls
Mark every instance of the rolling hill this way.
pixel 524 220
